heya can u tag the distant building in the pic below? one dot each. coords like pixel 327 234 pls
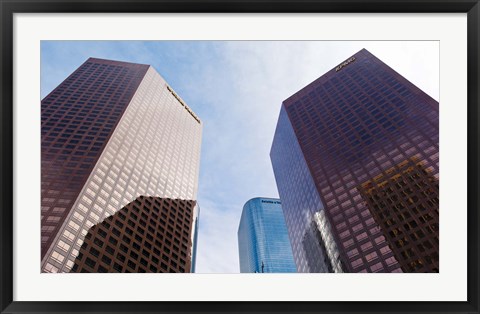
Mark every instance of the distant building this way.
pixel 114 133
pixel 356 161
pixel 263 242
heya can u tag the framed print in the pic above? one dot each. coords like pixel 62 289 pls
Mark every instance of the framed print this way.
pixel 239 157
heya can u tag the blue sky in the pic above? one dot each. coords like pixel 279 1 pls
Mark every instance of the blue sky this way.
pixel 236 88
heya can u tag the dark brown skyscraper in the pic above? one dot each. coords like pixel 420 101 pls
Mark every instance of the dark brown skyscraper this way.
pixel 356 160
pixel 111 133
pixel 149 235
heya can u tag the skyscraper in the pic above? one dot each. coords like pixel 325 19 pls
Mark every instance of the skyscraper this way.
pixel 113 133
pixel 356 161
pixel 263 242
pixel 150 234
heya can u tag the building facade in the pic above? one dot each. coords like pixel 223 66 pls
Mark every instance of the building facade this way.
pixel 112 132
pixel 356 161
pixel 263 243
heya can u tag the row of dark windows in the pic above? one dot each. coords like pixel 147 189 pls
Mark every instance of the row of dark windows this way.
pixel 139 251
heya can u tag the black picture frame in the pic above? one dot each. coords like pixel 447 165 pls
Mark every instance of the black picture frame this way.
pixel 10 7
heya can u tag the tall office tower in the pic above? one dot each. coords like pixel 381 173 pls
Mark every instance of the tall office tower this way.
pixel 112 132
pixel 356 161
pixel 263 242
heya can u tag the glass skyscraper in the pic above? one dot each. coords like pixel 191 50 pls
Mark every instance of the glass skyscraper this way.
pixel 114 133
pixel 356 161
pixel 263 243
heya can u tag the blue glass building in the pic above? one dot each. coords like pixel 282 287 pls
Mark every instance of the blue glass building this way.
pixel 263 241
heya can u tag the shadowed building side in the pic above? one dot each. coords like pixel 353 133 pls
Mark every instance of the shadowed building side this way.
pixel 300 202
pixel 151 234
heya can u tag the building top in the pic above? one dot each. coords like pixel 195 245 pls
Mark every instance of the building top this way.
pixel 144 67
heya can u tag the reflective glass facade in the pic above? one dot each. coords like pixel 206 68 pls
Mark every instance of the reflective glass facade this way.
pixel 78 118
pixel 263 242
pixel 152 148
pixel 365 140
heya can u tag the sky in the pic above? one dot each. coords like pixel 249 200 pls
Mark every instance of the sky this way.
pixel 237 88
